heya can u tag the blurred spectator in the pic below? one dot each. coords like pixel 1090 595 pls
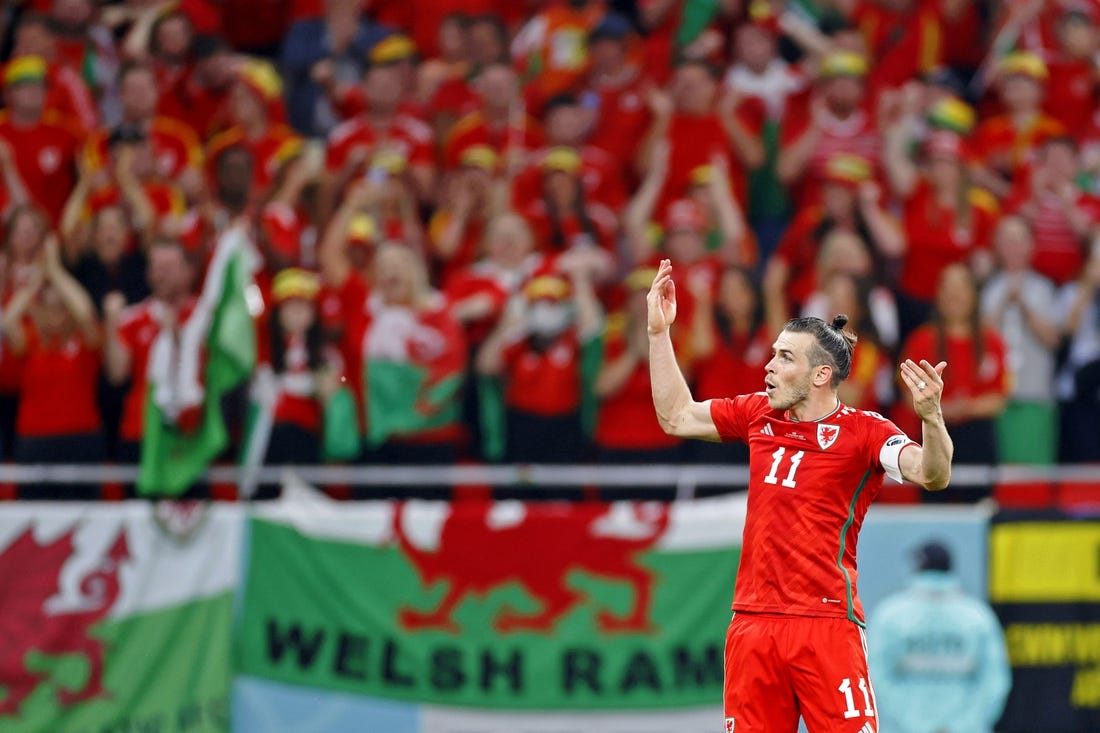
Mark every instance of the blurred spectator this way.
pixel 551 50
pixel 256 113
pixel 759 72
pixel 1078 381
pixel 834 119
pixel 58 420
pixel 381 130
pixel 131 330
pixel 947 220
pixel 407 357
pixel 43 147
pixel 471 195
pixel 1003 143
pixel 13 193
pixel 1018 303
pixel 868 384
pixel 730 344
pixel 331 48
pixel 1072 94
pixel 937 655
pixel 903 36
pixel 106 257
pixel 346 260
pixel 87 47
pixel 562 216
pixel 566 127
pixel 699 127
pixel 443 86
pixel 231 189
pixel 965 36
pixel 614 96
pixel 478 294
pixel 843 253
pixel 545 351
pixel 67 94
pixel 299 373
pixel 851 202
pixel 177 152
pixel 202 100
pixel 502 123
pixel 975 395
pixel 674 31
pixel 1061 214
pixel 626 426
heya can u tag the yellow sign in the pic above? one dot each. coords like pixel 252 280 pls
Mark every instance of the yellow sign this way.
pixel 1044 562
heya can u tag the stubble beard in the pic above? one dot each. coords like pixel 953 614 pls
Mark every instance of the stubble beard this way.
pixel 790 396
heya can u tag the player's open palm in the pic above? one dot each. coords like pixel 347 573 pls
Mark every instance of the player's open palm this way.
pixel 662 299
pixel 925 383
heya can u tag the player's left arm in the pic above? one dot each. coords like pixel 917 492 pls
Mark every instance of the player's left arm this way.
pixel 928 464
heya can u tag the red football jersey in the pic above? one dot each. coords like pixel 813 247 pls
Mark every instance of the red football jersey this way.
pixel 810 485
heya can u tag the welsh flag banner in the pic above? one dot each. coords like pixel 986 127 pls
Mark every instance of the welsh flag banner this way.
pixel 474 615
pixel 191 368
pixel 116 617
pixel 414 366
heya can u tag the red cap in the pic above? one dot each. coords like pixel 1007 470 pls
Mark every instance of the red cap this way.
pixel 684 214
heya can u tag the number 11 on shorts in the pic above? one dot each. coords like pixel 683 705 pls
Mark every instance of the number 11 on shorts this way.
pixel 850 701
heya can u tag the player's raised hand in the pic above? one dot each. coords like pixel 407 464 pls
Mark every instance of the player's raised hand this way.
pixel 925 382
pixel 662 299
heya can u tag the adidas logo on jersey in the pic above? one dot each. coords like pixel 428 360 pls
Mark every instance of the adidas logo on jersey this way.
pixel 767 430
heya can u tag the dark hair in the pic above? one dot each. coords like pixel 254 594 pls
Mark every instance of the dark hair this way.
pixel 833 344
pixel 564 99
pixel 977 333
pixel 579 210
pixel 315 342
pixel 725 325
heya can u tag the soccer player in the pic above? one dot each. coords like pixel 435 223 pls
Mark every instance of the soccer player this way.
pixel 796 644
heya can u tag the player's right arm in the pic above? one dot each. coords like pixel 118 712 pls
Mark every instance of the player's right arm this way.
pixel 677 411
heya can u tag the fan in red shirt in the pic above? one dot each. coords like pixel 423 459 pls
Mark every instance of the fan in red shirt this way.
pixel 1062 216
pixel 903 36
pixel 502 123
pixel 976 394
pixel 58 419
pixel 68 95
pixel 1003 144
pixel 296 374
pixel 176 148
pixel 381 127
pixel 946 219
pixel 626 428
pixel 834 120
pixel 256 110
pixel 346 259
pixel 130 332
pixel 458 225
pixel 543 351
pixel 1072 88
pixel 43 146
pixel 796 644
pixel 615 95
pixel 699 127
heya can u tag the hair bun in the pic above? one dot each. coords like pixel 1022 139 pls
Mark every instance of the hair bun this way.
pixel 840 321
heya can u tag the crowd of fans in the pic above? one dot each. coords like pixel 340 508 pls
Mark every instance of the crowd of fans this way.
pixel 455 208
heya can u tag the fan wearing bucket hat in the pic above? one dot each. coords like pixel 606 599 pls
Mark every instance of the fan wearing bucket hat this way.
pixel 1003 143
pixel 936 652
pixel 837 121
pixel 67 94
pixel 850 201
pixel 627 430
pixel 383 125
pixel 256 112
pixel 295 369
pixel 457 227
pixel 562 216
pixel 565 123
pixel 543 352
pixel 346 258
pixel 41 147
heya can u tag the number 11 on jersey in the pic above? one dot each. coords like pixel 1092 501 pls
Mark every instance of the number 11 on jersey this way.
pixel 777 458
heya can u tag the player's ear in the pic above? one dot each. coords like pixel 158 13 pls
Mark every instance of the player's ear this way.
pixel 823 374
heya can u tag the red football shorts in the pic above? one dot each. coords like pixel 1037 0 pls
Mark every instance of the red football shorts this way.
pixel 781 667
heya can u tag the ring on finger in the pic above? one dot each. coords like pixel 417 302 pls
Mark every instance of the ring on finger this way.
pixel 921 384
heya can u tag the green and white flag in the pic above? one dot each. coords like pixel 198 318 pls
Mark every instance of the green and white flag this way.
pixel 191 368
